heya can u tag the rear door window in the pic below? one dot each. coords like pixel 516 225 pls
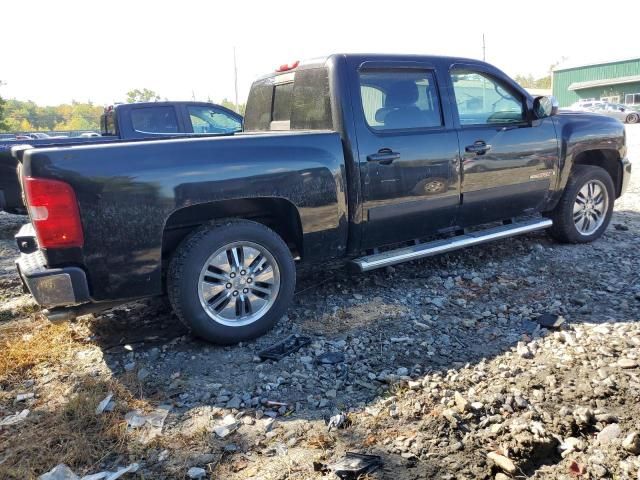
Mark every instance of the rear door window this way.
pixel 154 120
pixel 401 99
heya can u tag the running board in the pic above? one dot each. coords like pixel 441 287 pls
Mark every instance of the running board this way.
pixel 413 252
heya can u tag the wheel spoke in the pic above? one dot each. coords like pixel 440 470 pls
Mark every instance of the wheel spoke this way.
pixel 257 264
pixel 229 309
pixel 264 288
pixel 581 198
pixel 220 300
pixel 255 302
pixel 213 277
pixel 250 254
pixel 265 276
pixel 235 258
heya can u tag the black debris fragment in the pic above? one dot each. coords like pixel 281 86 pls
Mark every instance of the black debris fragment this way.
pixel 281 349
pixel 353 465
pixel 550 321
pixel 330 358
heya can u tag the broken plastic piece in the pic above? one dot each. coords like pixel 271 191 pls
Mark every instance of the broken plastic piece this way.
pixel 330 358
pixel 227 426
pixel 353 465
pixel 62 472
pixel 152 422
pixel 548 320
pixel 278 351
pixel 13 419
pixel 59 472
pixel 103 404
pixel 337 421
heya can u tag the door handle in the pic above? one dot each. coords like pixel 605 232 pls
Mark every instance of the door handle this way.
pixel 385 156
pixel 479 148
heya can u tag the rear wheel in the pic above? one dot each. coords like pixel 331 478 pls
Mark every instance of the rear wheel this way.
pixel 584 211
pixel 231 282
pixel 633 118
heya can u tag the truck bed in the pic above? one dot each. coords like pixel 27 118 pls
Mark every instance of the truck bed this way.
pixel 138 189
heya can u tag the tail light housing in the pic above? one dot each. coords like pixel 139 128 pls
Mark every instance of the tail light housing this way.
pixel 53 209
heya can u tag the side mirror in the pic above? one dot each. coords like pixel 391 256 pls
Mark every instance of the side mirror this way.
pixel 544 107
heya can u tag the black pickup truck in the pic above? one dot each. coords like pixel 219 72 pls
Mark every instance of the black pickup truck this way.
pixel 369 159
pixel 127 121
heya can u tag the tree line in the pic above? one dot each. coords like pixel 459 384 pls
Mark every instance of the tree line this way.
pixel 27 116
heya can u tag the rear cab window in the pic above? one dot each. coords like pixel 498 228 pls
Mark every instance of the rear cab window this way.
pixel 294 100
pixel 154 120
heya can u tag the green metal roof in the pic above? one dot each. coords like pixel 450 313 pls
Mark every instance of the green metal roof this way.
pixel 603 83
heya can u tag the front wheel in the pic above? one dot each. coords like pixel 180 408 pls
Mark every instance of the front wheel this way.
pixel 232 281
pixel 584 211
pixel 633 118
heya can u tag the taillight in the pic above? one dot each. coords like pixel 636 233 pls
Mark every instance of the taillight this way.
pixel 54 213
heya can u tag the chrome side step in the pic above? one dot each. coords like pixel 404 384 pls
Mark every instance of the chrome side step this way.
pixel 413 252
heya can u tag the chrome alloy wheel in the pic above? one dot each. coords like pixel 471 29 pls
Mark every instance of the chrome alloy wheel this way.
pixel 590 207
pixel 239 283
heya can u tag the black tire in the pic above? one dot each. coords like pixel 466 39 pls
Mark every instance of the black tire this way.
pixel 188 261
pixel 633 118
pixel 564 228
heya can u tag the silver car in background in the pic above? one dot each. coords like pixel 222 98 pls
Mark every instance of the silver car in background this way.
pixel 616 110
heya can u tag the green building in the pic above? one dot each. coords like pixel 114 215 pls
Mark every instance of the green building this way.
pixel 616 82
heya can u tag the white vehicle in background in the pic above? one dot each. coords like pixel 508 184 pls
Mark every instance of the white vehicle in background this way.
pixel 623 113
pixel 90 134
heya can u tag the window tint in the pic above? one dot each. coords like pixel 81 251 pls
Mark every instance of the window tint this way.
pixel 282 96
pixel 206 119
pixel 154 120
pixel 399 99
pixel 311 108
pixel 301 104
pixel 483 100
pixel 257 115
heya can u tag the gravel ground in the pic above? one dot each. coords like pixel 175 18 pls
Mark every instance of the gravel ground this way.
pixel 445 371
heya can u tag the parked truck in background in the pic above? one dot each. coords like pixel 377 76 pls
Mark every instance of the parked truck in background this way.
pixel 368 159
pixel 127 121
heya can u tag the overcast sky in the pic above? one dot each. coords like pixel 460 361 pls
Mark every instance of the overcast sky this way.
pixel 56 51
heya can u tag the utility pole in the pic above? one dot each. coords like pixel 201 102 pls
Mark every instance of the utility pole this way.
pixel 235 78
pixel 484 50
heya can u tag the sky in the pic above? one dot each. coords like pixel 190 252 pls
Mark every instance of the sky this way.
pixel 58 51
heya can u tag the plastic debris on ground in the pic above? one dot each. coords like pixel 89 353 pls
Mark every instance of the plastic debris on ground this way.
pixel 150 424
pixel 279 350
pixel 196 472
pixel 337 421
pixel 550 321
pixel 14 419
pixel 330 358
pixel 228 425
pixel 353 465
pixel 62 472
pixel 103 404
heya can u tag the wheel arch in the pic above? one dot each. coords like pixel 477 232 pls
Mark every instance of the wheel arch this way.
pixel 607 159
pixel 277 213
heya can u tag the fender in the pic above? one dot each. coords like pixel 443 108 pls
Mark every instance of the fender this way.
pixel 579 133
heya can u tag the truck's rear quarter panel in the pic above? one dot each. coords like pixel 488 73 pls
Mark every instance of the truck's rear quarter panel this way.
pixel 127 191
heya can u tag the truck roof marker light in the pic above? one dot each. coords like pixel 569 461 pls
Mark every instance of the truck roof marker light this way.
pixel 285 67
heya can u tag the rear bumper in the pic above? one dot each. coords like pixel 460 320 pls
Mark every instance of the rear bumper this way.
pixel 626 174
pixel 52 287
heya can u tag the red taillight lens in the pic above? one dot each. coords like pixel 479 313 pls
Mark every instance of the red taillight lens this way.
pixel 54 213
